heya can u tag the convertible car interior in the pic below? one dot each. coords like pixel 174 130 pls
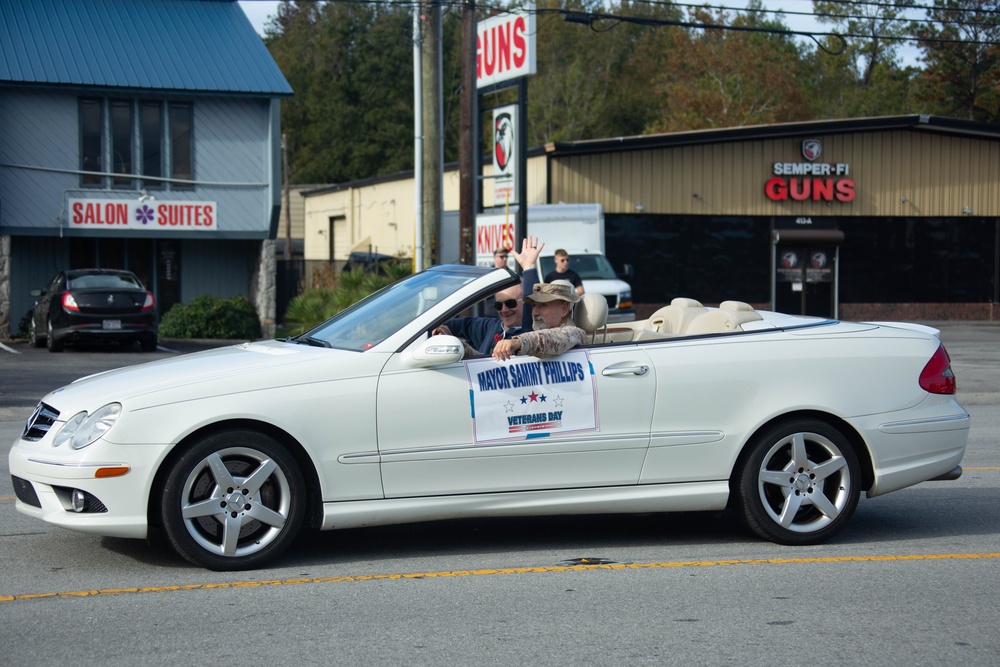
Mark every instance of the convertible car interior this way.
pixel 683 317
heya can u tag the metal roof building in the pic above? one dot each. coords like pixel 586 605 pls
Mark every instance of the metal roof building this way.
pixel 138 134
pixel 194 46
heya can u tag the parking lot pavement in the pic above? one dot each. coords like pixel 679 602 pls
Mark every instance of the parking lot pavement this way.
pixel 27 373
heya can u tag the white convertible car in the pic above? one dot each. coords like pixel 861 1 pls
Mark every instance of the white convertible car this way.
pixel 369 420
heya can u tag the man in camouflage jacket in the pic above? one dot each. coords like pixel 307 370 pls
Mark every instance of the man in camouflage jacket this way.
pixel 554 331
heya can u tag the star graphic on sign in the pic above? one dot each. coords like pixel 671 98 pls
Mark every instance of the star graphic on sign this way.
pixel 509 406
pixel 533 396
pixel 559 401
pixel 542 398
pixel 523 400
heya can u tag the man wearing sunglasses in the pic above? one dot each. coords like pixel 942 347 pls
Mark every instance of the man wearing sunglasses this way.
pixel 482 333
pixel 500 257
pixel 563 272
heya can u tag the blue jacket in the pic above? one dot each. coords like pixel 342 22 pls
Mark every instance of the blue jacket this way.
pixel 481 332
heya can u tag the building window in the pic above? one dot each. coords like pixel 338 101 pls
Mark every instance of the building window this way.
pixel 121 142
pixel 129 136
pixel 151 140
pixel 91 141
pixel 180 142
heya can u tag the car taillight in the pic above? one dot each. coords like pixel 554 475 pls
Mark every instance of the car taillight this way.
pixel 937 376
pixel 148 303
pixel 68 302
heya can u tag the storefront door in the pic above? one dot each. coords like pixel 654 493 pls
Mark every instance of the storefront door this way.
pixel 805 257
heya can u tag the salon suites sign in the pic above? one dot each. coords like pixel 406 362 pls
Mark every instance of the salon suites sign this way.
pixel 132 214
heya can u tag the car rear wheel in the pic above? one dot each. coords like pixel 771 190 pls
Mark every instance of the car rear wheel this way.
pixel 799 485
pixel 50 340
pixel 233 501
pixel 148 344
pixel 36 339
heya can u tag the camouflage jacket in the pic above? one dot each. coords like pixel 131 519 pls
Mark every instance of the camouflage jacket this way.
pixel 552 342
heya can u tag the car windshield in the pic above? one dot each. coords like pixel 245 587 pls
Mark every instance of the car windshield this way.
pixel 375 318
pixel 104 281
pixel 590 267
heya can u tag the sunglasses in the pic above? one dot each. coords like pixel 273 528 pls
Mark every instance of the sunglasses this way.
pixel 510 303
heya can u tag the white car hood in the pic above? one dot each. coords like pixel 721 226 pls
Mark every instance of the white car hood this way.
pixel 247 366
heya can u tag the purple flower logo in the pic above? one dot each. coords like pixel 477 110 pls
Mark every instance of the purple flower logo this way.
pixel 144 214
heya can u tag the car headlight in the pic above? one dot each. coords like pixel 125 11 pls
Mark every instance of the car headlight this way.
pixel 82 429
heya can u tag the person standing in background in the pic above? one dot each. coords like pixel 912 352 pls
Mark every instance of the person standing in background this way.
pixel 563 272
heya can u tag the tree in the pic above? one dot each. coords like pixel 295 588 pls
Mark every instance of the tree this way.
pixel 350 66
pixel 962 73
pixel 872 30
pixel 837 92
pixel 587 84
pixel 725 78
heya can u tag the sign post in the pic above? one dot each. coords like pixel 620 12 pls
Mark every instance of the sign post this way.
pixel 505 57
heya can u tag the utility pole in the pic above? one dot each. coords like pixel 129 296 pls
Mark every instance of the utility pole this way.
pixel 288 202
pixel 468 108
pixel 418 146
pixel 432 131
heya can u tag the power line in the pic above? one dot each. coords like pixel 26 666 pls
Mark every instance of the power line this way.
pixel 745 10
pixel 590 18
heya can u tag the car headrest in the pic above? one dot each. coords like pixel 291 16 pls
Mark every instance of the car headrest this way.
pixel 591 312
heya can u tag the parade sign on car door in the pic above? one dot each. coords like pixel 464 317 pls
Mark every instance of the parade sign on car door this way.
pixel 132 214
pixel 527 397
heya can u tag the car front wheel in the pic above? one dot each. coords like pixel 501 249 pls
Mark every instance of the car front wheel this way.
pixel 233 501
pixel 800 483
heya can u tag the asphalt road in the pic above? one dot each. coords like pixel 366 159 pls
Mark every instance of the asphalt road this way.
pixel 911 581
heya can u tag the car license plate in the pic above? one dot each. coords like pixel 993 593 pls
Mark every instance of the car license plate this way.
pixel 112 324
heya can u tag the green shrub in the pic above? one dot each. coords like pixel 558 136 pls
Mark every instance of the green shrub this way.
pixel 211 317
pixel 315 306
pixel 24 326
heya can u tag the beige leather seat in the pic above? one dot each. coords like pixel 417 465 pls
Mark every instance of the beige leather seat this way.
pixel 591 314
pixel 675 318
pixel 730 316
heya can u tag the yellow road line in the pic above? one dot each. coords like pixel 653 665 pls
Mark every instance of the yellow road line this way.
pixel 507 570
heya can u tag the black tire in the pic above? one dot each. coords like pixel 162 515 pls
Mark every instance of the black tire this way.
pixel 800 483
pixel 50 339
pixel 37 340
pixel 148 344
pixel 235 480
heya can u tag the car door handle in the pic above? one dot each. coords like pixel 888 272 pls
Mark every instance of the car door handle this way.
pixel 626 370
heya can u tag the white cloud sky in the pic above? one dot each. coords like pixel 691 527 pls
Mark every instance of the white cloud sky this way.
pixel 259 11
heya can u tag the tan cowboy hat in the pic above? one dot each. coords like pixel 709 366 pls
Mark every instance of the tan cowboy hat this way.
pixel 557 290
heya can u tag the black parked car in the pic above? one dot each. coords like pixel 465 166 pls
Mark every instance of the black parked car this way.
pixel 93 305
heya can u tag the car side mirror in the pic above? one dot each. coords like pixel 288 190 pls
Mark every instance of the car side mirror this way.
pixel 627 271
pixel 436 351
